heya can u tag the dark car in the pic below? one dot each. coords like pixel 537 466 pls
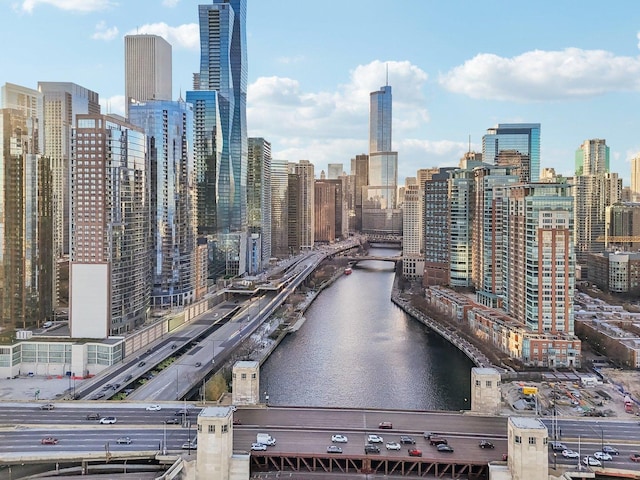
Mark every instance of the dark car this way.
pixel 198 364
pixel 486 444
pixel 142 364
pixel 128 377
pixel 334 449
pixel 445 448
pixel 557 446
pixel 93 416
pixel 414 452
pixel 610 450
pixel 370 448
pixel 182 412
pixel 385 425
pixel 174 346
pixel 172 421
pixel 437 441
pixel 407 440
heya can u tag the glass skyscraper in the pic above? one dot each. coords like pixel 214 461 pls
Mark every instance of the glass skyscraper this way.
pixel 168 127
pixel 523 138
pixel 380 120
pixel 223 67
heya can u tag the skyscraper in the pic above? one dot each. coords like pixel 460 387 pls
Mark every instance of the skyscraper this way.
pixel 168 126
pixel 380 120
pixel 305 221
pixel 521 139
pixel 334 171
pixel 279 208
pixel 223 67
pixel 63 102
pixel 147 69
pixel 26 260
pixel 110 274
pixel 259 196
pixel 635 178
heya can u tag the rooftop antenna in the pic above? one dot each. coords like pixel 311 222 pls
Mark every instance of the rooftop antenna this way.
pixel 469 143
pixel 387 65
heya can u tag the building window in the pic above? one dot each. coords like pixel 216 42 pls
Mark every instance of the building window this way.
pixel 225 428
pixel 532 440
pixel 477 383
pixel 212 429
pixel 243 376
pixel 199 428
pixel 488 384
pixel 518 439
pixel 253 376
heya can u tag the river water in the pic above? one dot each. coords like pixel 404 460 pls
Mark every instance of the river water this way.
pixel 359 350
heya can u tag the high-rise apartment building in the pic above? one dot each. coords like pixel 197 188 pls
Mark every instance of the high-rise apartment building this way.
pixel 412 235
pixel 329 210
pixel 306 214
pixel 259 197
pixel 360 171
pixel 147 69
pixel 168 127
pixel 622 227
pixel 223 67
pixel 521 140
pixel 635 178
pixel 279 207
pixel 62 103
pixel 595 188
pixel 26 236
pixel 461 195
pixel 110 274
pixel 539 259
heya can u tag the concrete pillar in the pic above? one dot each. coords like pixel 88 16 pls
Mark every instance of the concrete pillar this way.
pixel 528 451
pixel 246 383
pixel 485 390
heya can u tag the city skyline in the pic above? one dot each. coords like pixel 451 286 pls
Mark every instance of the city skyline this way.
pixel 309 97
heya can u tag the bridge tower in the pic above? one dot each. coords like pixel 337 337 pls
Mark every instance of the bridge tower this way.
pixel 245 383
pixel 485 390
pixel 528 452
pixel 215 457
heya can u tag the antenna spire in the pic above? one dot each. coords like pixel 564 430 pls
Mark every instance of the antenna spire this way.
pixel 387 65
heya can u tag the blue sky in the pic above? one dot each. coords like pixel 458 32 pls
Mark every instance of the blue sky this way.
pixel 456 68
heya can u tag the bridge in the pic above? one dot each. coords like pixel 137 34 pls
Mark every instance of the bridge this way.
pixel 380 258
pixel 383 238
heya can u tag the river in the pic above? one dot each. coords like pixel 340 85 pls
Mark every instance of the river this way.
pixel 359 350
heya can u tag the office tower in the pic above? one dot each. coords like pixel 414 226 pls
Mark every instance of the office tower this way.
pixel 635 178
pixel 223 67
pixel 412 235
pixel 520 138
pixel 328 210
pixel 306 221
pixel 26 257
pixel 461 208
pixel 147 69
pixel 360 170
pixel 168 127
pixel 622 227
pixel 334 171
pixel 279 208
pixel 259 196
pixel 110 274
pixel 425 174
pixel 380 120
pixel 539 259
pixel 294 208
pixel 63 102
pixel 487 235
pixel 594 190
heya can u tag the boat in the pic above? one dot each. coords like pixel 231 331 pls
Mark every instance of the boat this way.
pixel 348 271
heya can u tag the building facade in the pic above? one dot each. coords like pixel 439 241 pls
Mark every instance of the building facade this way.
pixel 306 212
pixel 523 138
pixel 279 208
pixel 259 197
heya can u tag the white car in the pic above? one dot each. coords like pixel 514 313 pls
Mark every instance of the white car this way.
pixel 108 420
pixel 339 438
pixel 591 461
pixel 570 454
pixel 602 456
pixel 154 408
pixel 258 446
pixel 374 439
pixel 393 446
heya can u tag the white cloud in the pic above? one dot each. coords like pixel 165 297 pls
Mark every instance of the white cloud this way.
pixel 114 104
pixel 290 60
pixel 333 127
pixel 170 3
pixel 68 5
pixel 544 75
pixel 184 36
pixel 104 33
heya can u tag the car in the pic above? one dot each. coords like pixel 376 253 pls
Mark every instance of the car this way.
pixel 93 416
pixel 591 461
pixel 128 377
pixel 374 439
pixel 174 346
pixel 258 446
pixel 570 454
pixel 603 457
pixel 443 447
pixel 153 408
pixel 414 452
pixel 47 406
pixel 407 440
pixel 610 450
pixel 634 457
pixel 182 411
pixel 108 420
pixel 190 445
pixel 116 386
pixel 172 421
pixel 371 448
pixel 334 449
pixel 486 444
pixel 339 438
pixel 49 441
pixel 108 386
pixel 557 446
pixel 428 435
pixel 142 364
pixel 98 396
pixel 124 440
pixel 385 425
pixel 198 364
pixel 393 446
pixel 437 441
